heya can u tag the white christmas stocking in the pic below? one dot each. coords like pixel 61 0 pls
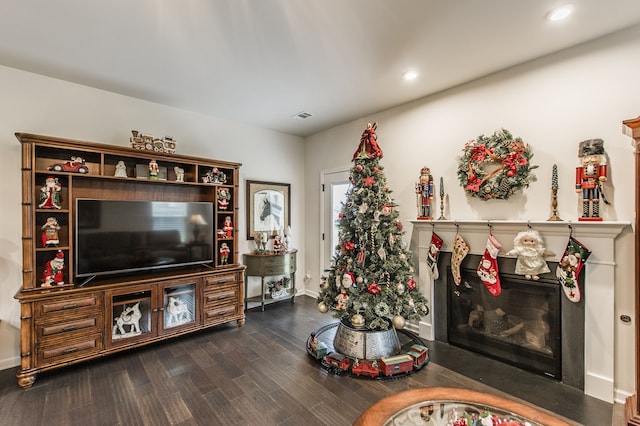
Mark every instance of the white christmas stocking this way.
pixel 460 250
pixel 432 256
pixel 573 259
pixel 488 267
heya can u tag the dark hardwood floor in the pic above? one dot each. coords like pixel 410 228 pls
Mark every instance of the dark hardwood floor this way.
pixel 259 374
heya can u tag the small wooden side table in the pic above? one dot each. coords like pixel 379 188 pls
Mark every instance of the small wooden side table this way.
pixel 268 265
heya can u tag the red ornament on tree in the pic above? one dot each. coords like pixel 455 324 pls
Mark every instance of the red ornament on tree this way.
pixel 374 288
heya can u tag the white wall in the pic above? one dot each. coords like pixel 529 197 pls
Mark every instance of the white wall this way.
pixel 35 104
pixel 552 103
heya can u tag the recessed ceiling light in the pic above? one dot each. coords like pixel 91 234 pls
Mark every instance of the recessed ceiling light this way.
pixel 410 75
pixel 560 13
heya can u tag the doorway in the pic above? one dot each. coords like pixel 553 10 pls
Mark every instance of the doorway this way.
pixel 334 184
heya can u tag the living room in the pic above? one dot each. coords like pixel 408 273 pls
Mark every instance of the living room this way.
pixel 552 103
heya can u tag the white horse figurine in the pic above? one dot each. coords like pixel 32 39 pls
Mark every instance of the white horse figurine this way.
pixel 177 310
pixel 130 316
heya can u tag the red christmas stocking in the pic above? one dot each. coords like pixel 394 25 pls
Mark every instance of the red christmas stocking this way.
pixel 432 256
pixel 460 250
pixel 488 267
pixel 571 263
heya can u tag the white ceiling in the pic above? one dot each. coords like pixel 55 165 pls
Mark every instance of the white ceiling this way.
pixel 263 61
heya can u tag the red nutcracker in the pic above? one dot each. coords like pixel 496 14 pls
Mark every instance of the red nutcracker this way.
pixel 224 253
pixel 590 177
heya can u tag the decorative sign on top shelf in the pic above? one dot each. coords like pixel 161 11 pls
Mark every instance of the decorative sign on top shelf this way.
pixel 149 143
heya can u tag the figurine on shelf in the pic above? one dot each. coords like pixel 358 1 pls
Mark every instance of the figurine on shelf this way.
pixel 50 233
pixel 590 176
pixel 529 248
pixel 50 197
pixel 153 170
pixel 261 239
pixel 223 198
pixel 121 169
pixel 287 239
pixel 54 271
pixel 224 253
pixel 277 244
pixel 179 171
pixel 214 175
pixel 227 227
pixel 424 191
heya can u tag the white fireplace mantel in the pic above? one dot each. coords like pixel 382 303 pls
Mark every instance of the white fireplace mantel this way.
pixel 599 237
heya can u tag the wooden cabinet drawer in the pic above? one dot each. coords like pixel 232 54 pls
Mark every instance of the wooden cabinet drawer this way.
pixel 217 313
pixel 70 304
pixel 278 270
pixel 68 350
pixel 266 265
pixel 226 296
pixel 215 280
pixel 68 327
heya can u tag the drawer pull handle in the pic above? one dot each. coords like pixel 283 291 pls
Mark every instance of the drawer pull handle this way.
pixel 224 296
pixel 70 328
pixel 70 350
pixel 72 306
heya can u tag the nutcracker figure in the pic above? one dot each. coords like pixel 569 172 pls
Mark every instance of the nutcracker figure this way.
pixel 424 191
pixel 590 177
pixel 224 253
pixel 154 169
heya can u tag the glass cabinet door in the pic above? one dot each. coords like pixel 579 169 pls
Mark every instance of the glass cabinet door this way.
pixel 179 303
pixel 131 316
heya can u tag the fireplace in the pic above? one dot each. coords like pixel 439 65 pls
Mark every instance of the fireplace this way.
pixel 522 326
pixel 529 325
pixel 586 328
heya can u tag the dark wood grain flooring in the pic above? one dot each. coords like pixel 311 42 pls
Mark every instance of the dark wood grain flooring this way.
pixel 259 374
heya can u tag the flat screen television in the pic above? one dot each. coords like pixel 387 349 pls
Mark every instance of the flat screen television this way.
pixel 121 236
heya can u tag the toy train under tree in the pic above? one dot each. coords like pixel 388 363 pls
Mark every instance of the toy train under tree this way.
pixel 398 365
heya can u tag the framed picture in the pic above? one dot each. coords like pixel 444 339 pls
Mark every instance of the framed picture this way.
pixel 268 207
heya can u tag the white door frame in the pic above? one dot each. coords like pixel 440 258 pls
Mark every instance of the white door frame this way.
pixel 328 177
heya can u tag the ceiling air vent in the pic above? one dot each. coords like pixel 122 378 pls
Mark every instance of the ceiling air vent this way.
pixel 301 115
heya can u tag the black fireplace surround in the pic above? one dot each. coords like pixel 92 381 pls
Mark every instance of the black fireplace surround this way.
pixel 530 325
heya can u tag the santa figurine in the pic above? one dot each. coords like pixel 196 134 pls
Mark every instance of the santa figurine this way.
pixel 341 300
pixel 223 199
pixel 589 178
pixel 50 197
pixel 50 233
pixel 227 227
pixel 54 271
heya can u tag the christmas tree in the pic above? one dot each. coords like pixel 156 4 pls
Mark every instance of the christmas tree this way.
pixel 371 277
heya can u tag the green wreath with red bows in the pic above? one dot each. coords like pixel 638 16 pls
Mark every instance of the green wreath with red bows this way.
pixel 495 167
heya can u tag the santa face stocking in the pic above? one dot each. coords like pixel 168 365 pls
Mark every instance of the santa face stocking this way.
pixel 460 250
pixel 432 256
pixel 488 267
pixel 573 259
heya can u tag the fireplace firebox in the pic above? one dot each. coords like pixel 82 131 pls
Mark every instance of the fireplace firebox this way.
pixel 521 326
pixel 530 325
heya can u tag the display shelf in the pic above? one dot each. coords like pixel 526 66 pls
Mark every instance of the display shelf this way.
pixel 77 319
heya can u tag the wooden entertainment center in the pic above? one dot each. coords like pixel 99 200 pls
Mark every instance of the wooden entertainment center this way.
pixel 71 320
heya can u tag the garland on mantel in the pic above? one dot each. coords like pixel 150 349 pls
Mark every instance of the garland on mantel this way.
pixel 495 166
